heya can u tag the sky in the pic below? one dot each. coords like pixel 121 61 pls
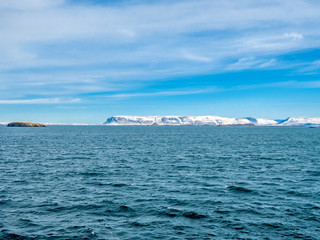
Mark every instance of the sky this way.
pixel 82 61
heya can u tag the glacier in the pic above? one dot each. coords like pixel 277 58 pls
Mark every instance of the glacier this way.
pixel 208 121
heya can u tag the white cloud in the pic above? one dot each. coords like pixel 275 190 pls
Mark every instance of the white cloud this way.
pixel 196 58
pixel 163 93
pixel 251 63
pixel 284 84
pixel 243 63
pixel 294 35
pixel 269 63
pixel 23 5
pixel 40 101
pixel 311 67
pixel 296 84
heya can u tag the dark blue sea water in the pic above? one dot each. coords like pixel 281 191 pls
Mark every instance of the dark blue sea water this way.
pixel 98 182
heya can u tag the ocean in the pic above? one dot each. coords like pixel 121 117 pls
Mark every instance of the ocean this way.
pixel 159 182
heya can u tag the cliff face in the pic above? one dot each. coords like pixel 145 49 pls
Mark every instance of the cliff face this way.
pixel 25 124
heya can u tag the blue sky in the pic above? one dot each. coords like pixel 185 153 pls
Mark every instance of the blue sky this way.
pixel 82 61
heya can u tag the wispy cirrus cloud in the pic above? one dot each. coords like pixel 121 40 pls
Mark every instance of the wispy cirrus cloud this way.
pixel 40 101
pixel 25 5
pixel 196 58
pixel 161 93
pixel 294 35
pixel 215 89
pixel 296 84
pixel 311 67
pixel 284 84
pixel 251 63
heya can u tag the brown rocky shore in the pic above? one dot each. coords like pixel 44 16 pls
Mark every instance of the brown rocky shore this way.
pixel 25 124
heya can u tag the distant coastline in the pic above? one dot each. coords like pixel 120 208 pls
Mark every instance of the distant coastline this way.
pixel 187 121
pixel 210 121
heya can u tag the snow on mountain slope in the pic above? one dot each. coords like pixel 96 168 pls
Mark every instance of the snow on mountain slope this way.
pixel 213 120
pixel 301 121
pixel 262 121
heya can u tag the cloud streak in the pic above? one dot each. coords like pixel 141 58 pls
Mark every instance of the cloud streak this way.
pixel 162 93
pixel 284 84
pixel 40 101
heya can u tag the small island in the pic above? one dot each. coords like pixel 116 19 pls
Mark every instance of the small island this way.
pixel 25 124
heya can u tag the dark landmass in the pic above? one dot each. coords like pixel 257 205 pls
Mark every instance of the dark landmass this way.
pixel 25 124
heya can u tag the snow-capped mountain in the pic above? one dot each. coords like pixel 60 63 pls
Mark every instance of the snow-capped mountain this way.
pixel 176 120
pixel 301 121
pixel 209 120
pixel 186 120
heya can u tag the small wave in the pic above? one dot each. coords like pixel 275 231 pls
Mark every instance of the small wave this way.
pixel 270 184
pixel 313 173
pixel 222 211
pixel 175 209
pixel 27 222
pixel 248 210
pixel 76 227
pixel 3 202
pixel 79 207
pixel 80 158
pixel 238 227
pixel 91 174
pixel 193 215
pixel 124 208
pixel 181 228
pixel 299 194
pixel 171 212
pixel 120 185
pixel 20 181
pixel 266 158
pixel 176 202
pixel 273 225
pixel 58 158
pixel 313 218
pixel 4 235
pixel 174 212
pixel 298 236
pixel 139 224
pixel 48 204
pixel 240 189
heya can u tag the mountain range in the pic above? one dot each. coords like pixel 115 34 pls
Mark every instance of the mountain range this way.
pixel 211 121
